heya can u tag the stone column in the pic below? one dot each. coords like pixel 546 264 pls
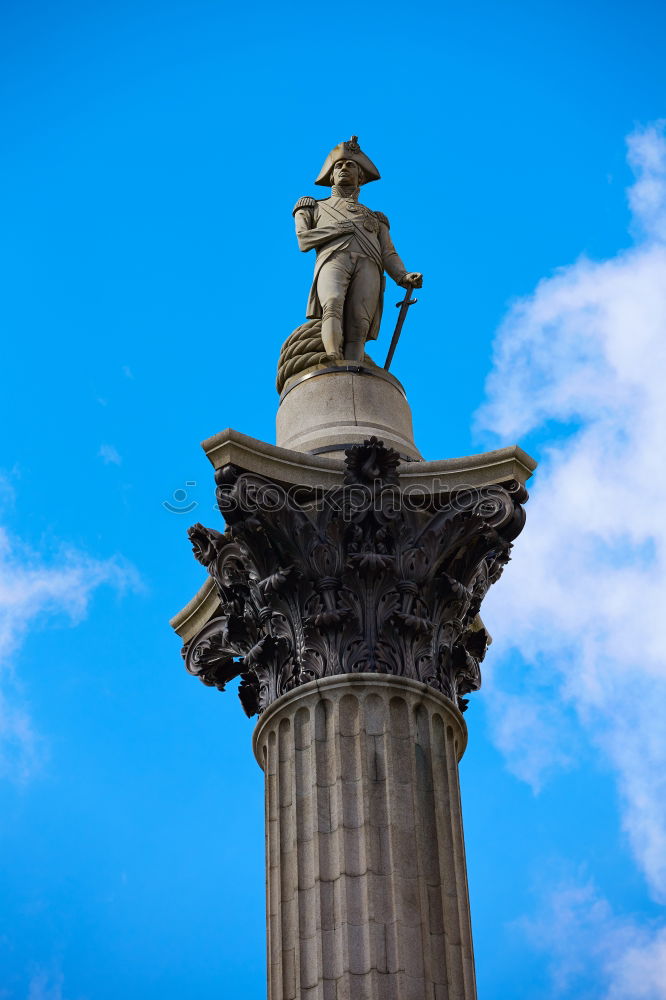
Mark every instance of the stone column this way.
pixel 351 613
pixel 367 893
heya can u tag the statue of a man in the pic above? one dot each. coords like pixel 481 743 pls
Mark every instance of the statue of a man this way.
pixel 354 249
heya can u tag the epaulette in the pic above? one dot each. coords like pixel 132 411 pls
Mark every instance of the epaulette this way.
pixel 382 218
pixel 306 202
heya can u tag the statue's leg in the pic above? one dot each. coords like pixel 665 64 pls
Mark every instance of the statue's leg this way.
pixel 332 285
pixel 360 306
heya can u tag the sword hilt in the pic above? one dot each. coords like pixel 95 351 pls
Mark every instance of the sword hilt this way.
pixel 405 302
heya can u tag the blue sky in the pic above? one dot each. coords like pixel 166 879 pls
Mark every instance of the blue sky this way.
pixel 151 154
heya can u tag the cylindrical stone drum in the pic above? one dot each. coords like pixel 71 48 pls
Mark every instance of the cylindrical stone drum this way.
pixel 367 893
pixel 324 412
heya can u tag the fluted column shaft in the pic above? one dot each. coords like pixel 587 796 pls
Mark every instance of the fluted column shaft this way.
pixel 367 893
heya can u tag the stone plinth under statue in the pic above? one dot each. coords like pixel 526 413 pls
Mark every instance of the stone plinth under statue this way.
pixel 330 408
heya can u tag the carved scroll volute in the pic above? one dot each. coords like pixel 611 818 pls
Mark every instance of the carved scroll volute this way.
pixel 208 657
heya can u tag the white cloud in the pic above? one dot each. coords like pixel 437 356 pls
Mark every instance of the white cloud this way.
pixel 34 590
pixel 593 954
pixel 109 455
pixel 647 197
pixel 583 362
pixel 533 733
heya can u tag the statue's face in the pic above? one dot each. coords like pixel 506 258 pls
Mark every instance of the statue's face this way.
pixel 346 172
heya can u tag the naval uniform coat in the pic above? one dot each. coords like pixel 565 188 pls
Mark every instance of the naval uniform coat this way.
pixel 316 227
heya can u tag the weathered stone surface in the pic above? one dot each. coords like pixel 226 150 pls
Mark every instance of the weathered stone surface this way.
pixel 355 579
pixel 346 596
pixel 230 447
pixel 354 248
pixel 330 410
pixel 321 472
pixel 197 612
pixel 303 351
pixel 367 886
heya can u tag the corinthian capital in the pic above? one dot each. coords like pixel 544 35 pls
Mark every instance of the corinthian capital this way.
pixel 352 579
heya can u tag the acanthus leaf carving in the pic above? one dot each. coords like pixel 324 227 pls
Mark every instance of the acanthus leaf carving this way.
pixel 357 581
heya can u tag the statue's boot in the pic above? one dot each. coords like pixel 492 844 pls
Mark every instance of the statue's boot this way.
pixel 354 346
pixel 331 332
pixel 355 351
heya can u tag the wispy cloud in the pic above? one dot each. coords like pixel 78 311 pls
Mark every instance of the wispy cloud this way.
pixel 594 954
pixel 36 589
pixel 582 360
pixel 109 455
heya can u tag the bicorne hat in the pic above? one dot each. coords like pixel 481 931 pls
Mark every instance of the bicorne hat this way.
pixel 349 150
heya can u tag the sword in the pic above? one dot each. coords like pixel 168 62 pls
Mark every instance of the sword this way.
pixel 403 307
